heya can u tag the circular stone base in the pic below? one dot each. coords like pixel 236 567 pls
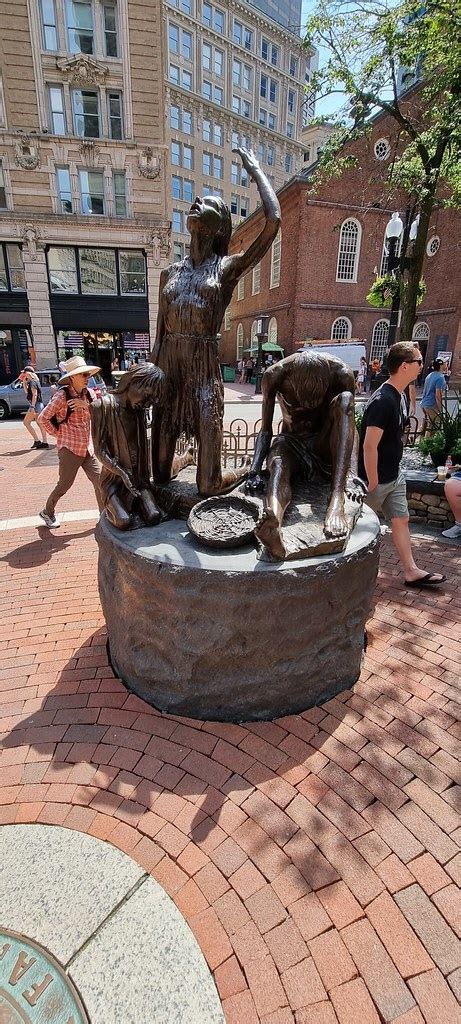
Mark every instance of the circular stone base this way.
pixel 221 635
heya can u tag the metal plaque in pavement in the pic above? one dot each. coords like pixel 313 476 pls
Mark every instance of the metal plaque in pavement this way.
pixel 33 987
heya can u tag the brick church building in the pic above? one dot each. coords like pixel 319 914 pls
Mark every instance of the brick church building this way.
pixel 314 280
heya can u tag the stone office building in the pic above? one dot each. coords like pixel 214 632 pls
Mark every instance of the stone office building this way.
pixel 84 219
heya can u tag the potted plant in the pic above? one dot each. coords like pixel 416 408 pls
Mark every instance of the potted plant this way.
pixel 384 288
pixel 446 440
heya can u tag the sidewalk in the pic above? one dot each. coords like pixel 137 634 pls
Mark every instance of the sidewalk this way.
pixel 316 859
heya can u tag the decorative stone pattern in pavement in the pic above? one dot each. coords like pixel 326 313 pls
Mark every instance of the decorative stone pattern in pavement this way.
pixel 338 825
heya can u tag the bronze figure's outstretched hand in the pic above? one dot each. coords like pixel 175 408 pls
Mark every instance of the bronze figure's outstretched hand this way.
pixel 249 160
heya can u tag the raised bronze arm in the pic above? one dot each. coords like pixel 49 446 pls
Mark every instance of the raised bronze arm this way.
pixel 235 266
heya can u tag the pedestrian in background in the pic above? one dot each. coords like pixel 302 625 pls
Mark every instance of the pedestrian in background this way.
pixel 31 385
pixel 431 398
pixel 67 417
pixel 453 496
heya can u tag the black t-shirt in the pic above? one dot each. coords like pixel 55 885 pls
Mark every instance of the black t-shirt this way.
pixel 388 410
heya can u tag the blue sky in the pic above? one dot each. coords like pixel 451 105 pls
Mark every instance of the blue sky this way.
pixel 332 103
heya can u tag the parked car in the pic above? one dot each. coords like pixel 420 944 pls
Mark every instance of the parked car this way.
pixel 14 402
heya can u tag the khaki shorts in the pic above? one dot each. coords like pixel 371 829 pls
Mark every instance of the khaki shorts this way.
pixel 390 498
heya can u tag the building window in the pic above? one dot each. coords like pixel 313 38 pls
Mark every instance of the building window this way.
pixel 290 130
pixel 3 277
pixel 262 116
pixel 58 117
pixel 421 332
pixel 382 149
pixel 176 154
pixel 188 157
pixel 254 337
pixel 272 331
pixel 206 56
pixel 341 329
pixel 240 342
pixel 244 207
pixel 97 271
pixel 132 272
pixel 433 245
pixel 218 95
pixel 176 188
pixel 3 204
pixel 206 164
pixel 114 106
pixel 348 251
pixel 246 78
pixel 62 269
pixel 218 167
pixel 273 91
pixel 234 205
pixel 218 63
pixel 175 118
pixel 119 181
pixel 173 38
pixel 291 101
pixel 272 122
pixel 227 320
pixel 187 122
pixel 188 191
pixel 236 72
pixel 50 34
pixel 270 52
pixel 213 18
pixel 178 225
pixel 178 251
pixel 288 162
pixel 294 64
pixel 92 192
pixel 206 130
pixel 187 80
pixel 241 289
pixel 236 104
pixel 256 280
pixel 379 339
pixel 206 90
pixel 218 135
pixel 64 189
pixel 186 44
pixel 263 86
pixel 238 32
pixel 86 113
pixel 79 26
pixel 276 254
pixel 110 30
pixel 173 74
pixel 15 267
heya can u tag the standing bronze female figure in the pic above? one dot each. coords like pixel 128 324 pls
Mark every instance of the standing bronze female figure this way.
pixel 194 295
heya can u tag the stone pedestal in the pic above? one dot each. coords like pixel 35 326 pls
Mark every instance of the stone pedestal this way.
pixel 221 635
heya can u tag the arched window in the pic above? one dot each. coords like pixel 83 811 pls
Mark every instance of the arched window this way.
pixel 385 254
pixel 227 320
pixel 272 332
pixel 421 332
pixel 254 337
pixel 349 250
pixel 276 259
pixel 341 329
pixel 239 342
pixel 379 339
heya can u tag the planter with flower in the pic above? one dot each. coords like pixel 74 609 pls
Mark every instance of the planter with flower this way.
pixel 385 288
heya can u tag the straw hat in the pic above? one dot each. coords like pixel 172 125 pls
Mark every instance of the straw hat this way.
pixel 77 365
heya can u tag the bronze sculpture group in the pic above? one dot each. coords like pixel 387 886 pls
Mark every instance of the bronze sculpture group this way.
pixel 184 389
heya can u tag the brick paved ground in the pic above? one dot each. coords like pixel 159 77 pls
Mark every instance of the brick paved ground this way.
pixel 316 858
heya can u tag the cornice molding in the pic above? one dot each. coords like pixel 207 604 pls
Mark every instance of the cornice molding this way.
pixel 82 69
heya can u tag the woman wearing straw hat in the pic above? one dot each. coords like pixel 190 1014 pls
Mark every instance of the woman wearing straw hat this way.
pixel 67 417
pixel 31 385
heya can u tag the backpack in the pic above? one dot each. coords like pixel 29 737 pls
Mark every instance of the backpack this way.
pixel 54 419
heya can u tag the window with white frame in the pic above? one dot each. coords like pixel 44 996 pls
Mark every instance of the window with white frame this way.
pixel 212 17
pixel 57 110
pixel 16 267
pixel 379 339
pixel 272 331
pixel 110 30
pixel 218 135
pixel 421 332
pixel 92 192
pixel 244 207
pixel 433 245
pixel 276 255
pixel 234 205
pixel 241 288
pixel 341 329
pixel 291 102
pixel 270 52
pixel 178 222
pixel 176 186
pixel 175 117
pixel 254 337
pixel 186 44
pixel 227 320
pixel 288 163
pixel 178 251
pixel 85 107
pixel 186 80
pixel 64 189
pixel 173 38
pixel 348 250
pixel 49 28
pixel 187 122
pixel 256 280
pixel 80 29
pixel 240 342
pixel 382 149
pixel 173 74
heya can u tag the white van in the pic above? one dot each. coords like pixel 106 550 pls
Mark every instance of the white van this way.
pixel 350 352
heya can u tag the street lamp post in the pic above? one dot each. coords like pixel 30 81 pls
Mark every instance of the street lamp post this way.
pixel 261 335
pixel 393 232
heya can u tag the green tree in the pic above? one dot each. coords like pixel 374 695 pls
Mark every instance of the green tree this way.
pixel 367 42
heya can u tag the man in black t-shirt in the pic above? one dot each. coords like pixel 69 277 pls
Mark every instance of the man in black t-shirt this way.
pixel 380 452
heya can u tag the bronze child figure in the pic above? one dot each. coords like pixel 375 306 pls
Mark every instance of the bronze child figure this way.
pixel 315 392
pixel 194 295
pixel 120 443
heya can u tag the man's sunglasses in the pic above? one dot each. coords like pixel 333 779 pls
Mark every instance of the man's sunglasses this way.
pixel 420 361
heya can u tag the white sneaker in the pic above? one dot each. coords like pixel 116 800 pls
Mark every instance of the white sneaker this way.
pixel 49 521
pixel 453 533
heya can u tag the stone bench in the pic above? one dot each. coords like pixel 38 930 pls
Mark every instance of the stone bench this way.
pixel 426 499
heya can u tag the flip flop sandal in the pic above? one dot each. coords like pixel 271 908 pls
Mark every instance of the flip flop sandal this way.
pixel 431 579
